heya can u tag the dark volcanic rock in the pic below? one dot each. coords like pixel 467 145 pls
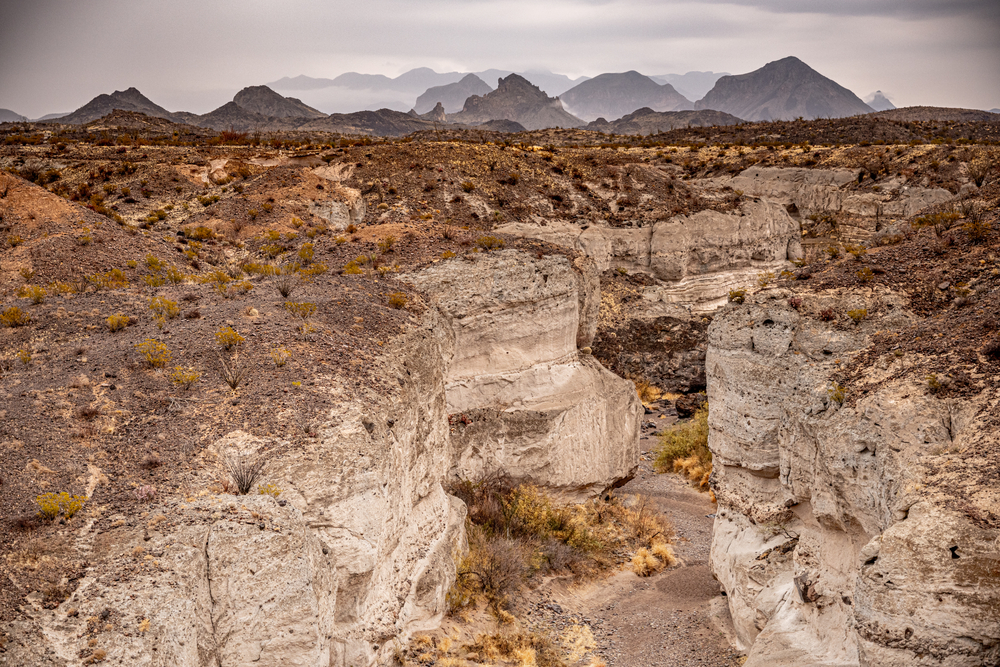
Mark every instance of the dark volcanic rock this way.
pixel 782 90
pixel 687 405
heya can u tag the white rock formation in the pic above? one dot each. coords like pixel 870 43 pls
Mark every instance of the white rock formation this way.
pixel 822 191
pixel 522 397
pixel 698 258
pixel 831 542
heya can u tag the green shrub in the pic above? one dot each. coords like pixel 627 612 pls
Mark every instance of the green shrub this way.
pixel 737 295
pixel 51 505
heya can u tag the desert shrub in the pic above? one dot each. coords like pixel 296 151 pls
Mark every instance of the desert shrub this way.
pixel 175 275
pixel 795 302
pixel 313 270
pixel 14 240
pixel 235 371
pixel 765 279
pixel 352 268
pixel 117 322
pixel 447 254
pixel 286 282
pixel 145 493
pixel 302 310
pixel 51 505
pixel 306 252
pixel 647 562
pixel 978 170
pixel 164 308
pixel 280 356
pixel 228 338
pixel 386 244
pixel 827 315
pixel 683 448
pixel 856 251
pixel 865 275
pixel 489 243
pixel 941 221
pixel 833 251
pixel 340 240
pixel 184 377
pixel 244 469
pixel 737 295
pixel 208 200
pixel 272 249
pixel 34 292
pixel 14 317
pixel 647 391
pixel 837 393
pixel 156 354
pixel 858 314
pixel 397 300
pixel 26 273
pixel 113 279
pixel 154 280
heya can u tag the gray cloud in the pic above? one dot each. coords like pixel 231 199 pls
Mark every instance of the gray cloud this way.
pixel 194 55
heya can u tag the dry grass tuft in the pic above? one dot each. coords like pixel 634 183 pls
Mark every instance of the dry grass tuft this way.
pixel 683 448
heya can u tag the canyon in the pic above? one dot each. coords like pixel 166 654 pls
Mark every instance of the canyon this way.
pixel 526 289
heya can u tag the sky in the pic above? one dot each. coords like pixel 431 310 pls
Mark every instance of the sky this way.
pixel 194 55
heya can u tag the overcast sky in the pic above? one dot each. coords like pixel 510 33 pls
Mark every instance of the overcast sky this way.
pixel 194 55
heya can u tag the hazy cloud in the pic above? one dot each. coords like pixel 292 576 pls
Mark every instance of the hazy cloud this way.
pixel 194 55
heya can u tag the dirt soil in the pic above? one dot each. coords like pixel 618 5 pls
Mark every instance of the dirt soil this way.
pixel 668 618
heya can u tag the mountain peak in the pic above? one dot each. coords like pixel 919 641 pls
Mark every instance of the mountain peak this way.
pixel 613 95
pixel 782 90
pixel 264 101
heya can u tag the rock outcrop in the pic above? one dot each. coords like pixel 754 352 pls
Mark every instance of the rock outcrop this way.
pixel 359 550
pixel 697 258
pixel 834 542
pixel 646 121
pixel 822 190
pixel 521 395
pixel 452 96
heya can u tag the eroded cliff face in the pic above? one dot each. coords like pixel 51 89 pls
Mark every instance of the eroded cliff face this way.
pixel 839 540
pixel 696 258
pixel 358 552
pixel 524 395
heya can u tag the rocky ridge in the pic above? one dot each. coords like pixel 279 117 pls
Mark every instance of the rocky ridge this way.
pixel 518 100
pixel 615 95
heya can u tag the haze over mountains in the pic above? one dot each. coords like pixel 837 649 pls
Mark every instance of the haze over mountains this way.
pixel 626 102
pixel 611 96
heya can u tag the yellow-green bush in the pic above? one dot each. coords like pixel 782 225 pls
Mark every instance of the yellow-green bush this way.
pixel 164 308
pixel 302 310
pixel 34 292
pixel 268 490
pixel 156 354
pixel 228 338
pixel 488 243
pixel 117 322
pixel 280 356
pixel 184 377
pixel 683 448
pixel 14 317
pixel 51 505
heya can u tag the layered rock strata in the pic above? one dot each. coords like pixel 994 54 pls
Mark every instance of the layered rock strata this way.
pixel 524 395
pixel 834 542
pixel 697 258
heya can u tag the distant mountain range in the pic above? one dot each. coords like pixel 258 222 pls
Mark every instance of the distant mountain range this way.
pixel 516 99
pixel 8 116
pixel 625 103
pixel 785 89
pixel 615 95
pixel 879 102
pixel 647 121
pixel 452 96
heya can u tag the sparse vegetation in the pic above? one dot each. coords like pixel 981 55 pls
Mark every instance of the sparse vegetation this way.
pixel 737 295
pixel 398 300
pixel 14 317
pixel 228 338
pixel 51 505
pixel 117 322
pixel 489 243
pixel 683 448
pixel 184 377
pixel 156 354
pixel 244 469
pixel 857 315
